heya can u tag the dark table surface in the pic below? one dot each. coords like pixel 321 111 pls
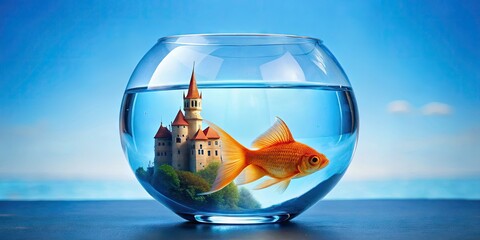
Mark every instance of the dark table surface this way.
pixel 356 219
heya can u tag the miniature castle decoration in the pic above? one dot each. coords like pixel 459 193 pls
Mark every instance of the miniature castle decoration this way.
pixel 185 146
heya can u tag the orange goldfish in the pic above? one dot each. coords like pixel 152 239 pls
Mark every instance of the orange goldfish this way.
pixel 277 155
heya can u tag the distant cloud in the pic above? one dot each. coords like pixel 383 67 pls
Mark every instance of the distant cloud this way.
pixel 399 107
pixel 436 108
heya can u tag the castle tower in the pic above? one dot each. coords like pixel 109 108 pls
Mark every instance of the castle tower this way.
pixel 198 158
pixel 192 104
pixel 163 147
pixel 179 142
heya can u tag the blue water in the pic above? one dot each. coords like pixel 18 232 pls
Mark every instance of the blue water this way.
pixel 322 117
pixel 128 190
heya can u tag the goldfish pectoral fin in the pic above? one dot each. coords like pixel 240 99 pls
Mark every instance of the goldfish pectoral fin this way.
pixel 282 183
pixel 250 174
pixel 268 183
pixel 278 133
pixel 282 186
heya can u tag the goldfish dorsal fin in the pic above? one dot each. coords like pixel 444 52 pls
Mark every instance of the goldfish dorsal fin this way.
pixel 278 133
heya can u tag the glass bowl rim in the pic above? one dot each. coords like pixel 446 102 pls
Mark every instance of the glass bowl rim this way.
pixel 237 39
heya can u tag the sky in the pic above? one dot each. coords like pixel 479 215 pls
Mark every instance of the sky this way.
pixel 414 67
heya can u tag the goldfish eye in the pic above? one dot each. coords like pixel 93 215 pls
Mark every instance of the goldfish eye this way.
pixel 314 160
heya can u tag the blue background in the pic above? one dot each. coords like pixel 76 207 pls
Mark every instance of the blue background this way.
pixel 414 66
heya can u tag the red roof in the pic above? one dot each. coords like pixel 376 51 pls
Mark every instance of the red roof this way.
pixel 210 133
pixel 199 135
pixel 180 120
pixel 163 132
pixel 192 88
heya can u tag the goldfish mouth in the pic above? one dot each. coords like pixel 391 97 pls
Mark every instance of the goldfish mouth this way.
pixel 324 164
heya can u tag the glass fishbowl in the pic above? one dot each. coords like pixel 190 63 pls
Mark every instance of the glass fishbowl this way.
pixel 238 128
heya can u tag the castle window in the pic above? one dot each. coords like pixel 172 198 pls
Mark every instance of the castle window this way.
pixel 179 140
pixel 195 103
pixel 183 126
pixel 208 153
pixel 193 151
pixel 198 151
pixel 192 103
pixel 216 153
pixel 193 146
pixel 165 153
pixel 163 144
pixel 178 151
pixel 216 142
pixel 183 135
pixel 200 146
pixel 158 154
pixel 209 143
pixel 202 152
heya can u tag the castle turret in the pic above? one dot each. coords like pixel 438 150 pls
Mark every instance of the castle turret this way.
pixel 192 104
pixel 179 142
pixel 163 146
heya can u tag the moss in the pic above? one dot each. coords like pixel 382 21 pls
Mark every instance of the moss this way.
pixel 165 179
pixel 190 186
pixel 184 187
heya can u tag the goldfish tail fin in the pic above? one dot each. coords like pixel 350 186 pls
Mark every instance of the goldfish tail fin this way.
pixel 250 174
pixel 233 160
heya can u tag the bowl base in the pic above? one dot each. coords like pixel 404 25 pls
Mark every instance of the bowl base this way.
pixel 237 219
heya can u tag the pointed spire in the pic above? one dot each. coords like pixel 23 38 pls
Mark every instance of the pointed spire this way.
pixel 163 132
pixel 192 88
pixel 180 120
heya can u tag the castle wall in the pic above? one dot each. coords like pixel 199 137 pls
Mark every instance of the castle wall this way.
pixel 163 152
pixel 198 152
pixel 213 150
pixel 180 148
